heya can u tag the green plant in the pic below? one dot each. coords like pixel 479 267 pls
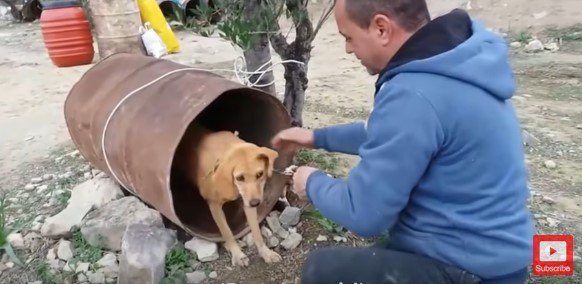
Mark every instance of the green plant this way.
pixel 327 224
pixel 6 230
pixel 177 261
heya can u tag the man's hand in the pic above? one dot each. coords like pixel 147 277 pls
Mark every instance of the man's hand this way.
pixel 292 139
pixel 300 180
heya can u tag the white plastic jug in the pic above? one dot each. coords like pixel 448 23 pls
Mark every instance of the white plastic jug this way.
pixel 152 41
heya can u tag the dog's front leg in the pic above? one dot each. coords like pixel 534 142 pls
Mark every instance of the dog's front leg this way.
pixel 238 257
pixel 266 253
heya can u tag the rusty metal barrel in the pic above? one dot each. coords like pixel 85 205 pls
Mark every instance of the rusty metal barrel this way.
pixel 144 105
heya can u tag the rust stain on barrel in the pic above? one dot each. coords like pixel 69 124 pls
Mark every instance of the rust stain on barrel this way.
pixel 145 131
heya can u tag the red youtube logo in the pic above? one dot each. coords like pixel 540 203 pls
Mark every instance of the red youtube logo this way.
pixel 553 255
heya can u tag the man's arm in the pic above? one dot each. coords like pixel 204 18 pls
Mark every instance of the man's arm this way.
pixel 404 133
pixel 343 138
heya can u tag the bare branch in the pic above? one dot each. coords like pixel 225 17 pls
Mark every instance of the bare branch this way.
pixel 300 17
pixel 324 16
pixel 280 44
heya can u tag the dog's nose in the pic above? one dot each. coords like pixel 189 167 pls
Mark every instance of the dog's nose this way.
pixel 254 202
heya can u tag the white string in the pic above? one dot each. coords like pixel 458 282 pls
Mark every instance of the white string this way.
pixel 240 71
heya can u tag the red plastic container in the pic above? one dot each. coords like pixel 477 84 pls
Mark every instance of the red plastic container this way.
pixel 66 33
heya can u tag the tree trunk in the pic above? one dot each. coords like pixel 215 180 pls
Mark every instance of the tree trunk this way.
pixel 260 53
pixel 255 58
pixel 296 83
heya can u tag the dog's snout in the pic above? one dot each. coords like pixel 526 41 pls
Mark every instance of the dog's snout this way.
pixel 254 202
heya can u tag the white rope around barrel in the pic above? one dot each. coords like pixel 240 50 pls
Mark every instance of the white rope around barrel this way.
pixel 241 74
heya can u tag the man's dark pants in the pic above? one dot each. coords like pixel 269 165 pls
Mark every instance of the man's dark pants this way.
pixel 378 265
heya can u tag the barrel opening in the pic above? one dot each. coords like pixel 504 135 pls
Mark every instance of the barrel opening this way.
pixel 257 118
pixel 191 10
pixel 170 10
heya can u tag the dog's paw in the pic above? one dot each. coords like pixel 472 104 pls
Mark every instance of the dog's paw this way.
pixel 270 256
pixel 240 259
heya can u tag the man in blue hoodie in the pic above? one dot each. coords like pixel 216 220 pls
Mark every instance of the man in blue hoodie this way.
pixel 442 168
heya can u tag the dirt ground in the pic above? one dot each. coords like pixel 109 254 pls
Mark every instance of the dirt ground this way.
pixel 549 103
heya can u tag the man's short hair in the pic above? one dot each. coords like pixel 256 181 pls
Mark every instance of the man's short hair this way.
pixel 409 14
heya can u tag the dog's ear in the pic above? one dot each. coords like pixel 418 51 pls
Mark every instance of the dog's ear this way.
pixel 222 176
pixel 269 156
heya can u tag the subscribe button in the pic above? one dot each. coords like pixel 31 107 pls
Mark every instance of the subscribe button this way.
pixel 553 255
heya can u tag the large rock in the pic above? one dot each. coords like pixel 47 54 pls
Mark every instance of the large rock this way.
pixel 205 251
pixel 105 226
pixel 143 254
pixel 89 195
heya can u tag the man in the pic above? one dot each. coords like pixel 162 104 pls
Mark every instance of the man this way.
pixel 442 166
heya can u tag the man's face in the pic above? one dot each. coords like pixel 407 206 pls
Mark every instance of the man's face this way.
pixel 367 44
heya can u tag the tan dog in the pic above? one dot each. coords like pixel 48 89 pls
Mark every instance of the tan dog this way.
pixel 225 168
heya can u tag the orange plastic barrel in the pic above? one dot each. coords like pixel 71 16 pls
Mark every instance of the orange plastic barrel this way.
pixel 66 33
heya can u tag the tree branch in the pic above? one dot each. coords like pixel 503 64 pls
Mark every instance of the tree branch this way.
pixel 324 16
pixel 300 17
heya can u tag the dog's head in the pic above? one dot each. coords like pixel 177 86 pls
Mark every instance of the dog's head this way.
pixel 247 168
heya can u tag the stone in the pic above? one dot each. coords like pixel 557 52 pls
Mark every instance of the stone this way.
pixel 205 251
pixel 96 277
pixel 528 139
pixel 248 240
pixel 340 239
pixel 275 225
pixel 272 241
pixel 515 44
pixel 29 186
pixel 321 238
pixel 550 164
pixel 266 232
pixel 106 226
pixel 213 275
pixel 552 46
pixel 47 177
pixel 548 200
pixel 195 277
pixel 144 250
pixel 290 216
pixel 82 278
pixel 107 260
pixel 552 222
pixel 82 267
pixel 51 254
pixel 534 46
pixel 292 241
pixel 16 240
pixel 65 250
pixel 36 180
pixel 89 195
pixel 33 241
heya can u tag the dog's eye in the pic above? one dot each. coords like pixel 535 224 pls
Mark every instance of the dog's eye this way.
pixel 260 174
pixel 240 178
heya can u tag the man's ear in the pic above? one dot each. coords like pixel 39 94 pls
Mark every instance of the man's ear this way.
pixel 269 155
pixel 383 26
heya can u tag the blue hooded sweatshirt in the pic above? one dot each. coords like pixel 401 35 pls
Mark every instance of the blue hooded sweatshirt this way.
pixel 442 166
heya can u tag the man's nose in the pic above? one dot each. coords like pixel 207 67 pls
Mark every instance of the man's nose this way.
pixel 349 49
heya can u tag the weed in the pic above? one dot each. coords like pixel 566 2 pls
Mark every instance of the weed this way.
pixel 324 161
pixel 327 224
pixel 63 199
pixel 6 230
pixel 523 37
pixel 85 252
pixel 177 262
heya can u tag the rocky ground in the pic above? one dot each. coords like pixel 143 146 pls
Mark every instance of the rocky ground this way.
pixel 69 223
